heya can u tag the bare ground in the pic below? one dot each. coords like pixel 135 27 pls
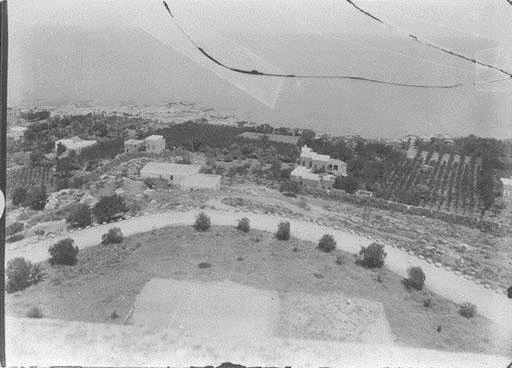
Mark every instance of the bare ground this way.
pixel 103 286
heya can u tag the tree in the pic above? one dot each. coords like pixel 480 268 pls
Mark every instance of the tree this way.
pixel 109 207
pixel 348 183
pixel 307 138
pixel 19 196
pixel 36 198
pixel 60 149
pixel 275 169
pixel 486 190
pixel 79 216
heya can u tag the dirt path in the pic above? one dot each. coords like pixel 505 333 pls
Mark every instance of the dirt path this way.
pixel 494 306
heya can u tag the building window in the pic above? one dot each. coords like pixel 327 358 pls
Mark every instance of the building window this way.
pixel 335 167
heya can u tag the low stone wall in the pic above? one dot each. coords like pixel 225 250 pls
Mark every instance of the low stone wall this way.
pixel 468 221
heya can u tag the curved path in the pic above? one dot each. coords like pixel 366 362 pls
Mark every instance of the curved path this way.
pixel 490 304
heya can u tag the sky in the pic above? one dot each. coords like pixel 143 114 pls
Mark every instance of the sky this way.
pixel 242 33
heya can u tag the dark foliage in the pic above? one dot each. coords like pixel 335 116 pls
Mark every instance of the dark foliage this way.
pixel 109 208
pixel 63 253
pixel 79 215
pixel 372 256
pixel 283 231
pixel 327 243
pixel 244 225
pixel 113 236
pixel 202 222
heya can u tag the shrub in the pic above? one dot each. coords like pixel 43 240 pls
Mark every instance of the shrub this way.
pixel 14 228
pixel 372 256
pixel 416 278
pixel 467 310
pixel 150 182
pixel 327 243
pixel 427 303
pixel 509 292
pixel 244 225
pixel 109 207
pixel 36 198
pixel 19 196
pixel 79 215
pixel 204 265
pixel 289 186
pixel 63 253
pixel 113 236
pixel 202 222
pixel 283 231
pixel 21 273
pixel 15 238
pixel 340 260
pixel 34 312
pixel 39 232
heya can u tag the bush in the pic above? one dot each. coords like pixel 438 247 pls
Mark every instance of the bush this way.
pixel 21 274
pixel 327 243
pixel 244 225
pixel 113 236
pixel 467 310
pixel 79 215
pixel 34 312
pixel 36 198
pixel 283 231
pixel 63 253
pixel 14 228
pixel 15 238
pixel 340 260
pixel 108 208
pixel 150 182
pixel 416 278
pixel 289 186
pixel 202 222
pixel 509 292
pixel 372 256
pixel 19 196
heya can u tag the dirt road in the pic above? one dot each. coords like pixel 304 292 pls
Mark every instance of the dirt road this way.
pixel 494 306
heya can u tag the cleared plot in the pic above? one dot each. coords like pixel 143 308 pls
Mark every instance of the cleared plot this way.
pixel 206 308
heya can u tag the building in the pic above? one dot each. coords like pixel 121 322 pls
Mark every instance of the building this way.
pixel 507 189
pixel 321 163
pixel 305 176
pixel 201 181
pixel 173 172
pixel 155 143
pixel 75 144
pixel 134 145
pixel 186 176
pixel 17 132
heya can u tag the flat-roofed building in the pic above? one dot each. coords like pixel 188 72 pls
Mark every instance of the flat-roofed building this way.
pixel 168 171
pixel 155 143
pixel 507 189
pixel 317 162
pixel 75 144
pixel 201 181
pixel 305 176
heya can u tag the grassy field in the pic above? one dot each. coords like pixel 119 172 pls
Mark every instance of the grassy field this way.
pixel 104 284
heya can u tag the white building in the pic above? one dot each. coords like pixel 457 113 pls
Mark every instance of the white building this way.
pixel 75 144
pixel 155 143
pixel 507 189
pixel 17 132
pixel 305 176
pixel 173 172
pixel 201 181
pixel 186 176
pixel 317 162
